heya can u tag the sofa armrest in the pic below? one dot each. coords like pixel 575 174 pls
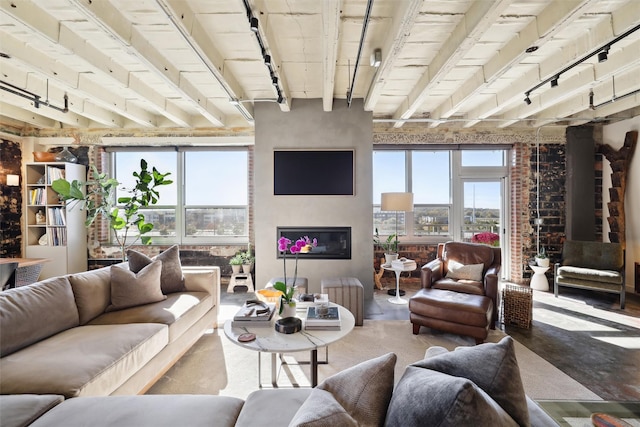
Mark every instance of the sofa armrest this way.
pixel 203 279
pixel 430 272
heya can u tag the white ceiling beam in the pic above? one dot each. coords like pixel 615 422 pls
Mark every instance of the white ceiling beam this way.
pixel 56 70
pixel 554 18
pixel 331 30
pixel 403 21
pixel 464 37
pixel 179 13
pixel 621 20
pixel 70 118
pixel 22 115
pixel 110 20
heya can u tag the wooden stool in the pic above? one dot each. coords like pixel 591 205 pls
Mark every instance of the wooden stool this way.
pixel 449 311
pixel 348 292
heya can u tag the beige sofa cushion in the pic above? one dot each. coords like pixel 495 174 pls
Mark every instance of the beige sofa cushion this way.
pixel 31 313
pixel 145 411
pixel 179 311
pixel 82 361
pixel 92 291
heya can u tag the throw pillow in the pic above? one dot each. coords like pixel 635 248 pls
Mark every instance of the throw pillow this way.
pixel 129 289
pixel 172 279
pixel 492 367
pixel 363 391
pixel 429 398
pixel 458 271
pixel 321 410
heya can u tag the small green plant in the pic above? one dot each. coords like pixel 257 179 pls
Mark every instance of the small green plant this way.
pixel 247 257
pixel 389 246
pixel 236 260
pixel 542 254
pixel 97 197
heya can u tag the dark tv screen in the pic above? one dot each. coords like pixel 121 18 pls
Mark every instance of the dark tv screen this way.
pixel 310 173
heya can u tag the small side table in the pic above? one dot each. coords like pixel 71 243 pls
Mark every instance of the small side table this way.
pixel 539 281
pixel 397 299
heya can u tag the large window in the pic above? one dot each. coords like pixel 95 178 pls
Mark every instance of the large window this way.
pixel 207 202
pixel 457 194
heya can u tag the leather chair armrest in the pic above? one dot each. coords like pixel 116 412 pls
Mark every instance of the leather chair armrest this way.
pixel 430 272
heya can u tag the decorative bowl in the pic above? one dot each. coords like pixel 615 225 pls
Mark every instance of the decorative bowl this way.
pixel 43 156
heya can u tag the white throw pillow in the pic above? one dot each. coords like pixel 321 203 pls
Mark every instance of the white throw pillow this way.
pixel 459 271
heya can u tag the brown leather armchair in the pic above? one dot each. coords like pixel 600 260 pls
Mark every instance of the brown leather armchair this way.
pixel 434 274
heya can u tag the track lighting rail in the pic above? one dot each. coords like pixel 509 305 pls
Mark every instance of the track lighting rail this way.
pixel 36 99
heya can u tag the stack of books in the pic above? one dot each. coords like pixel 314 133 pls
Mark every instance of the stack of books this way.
pixel 322 321
pixel 404 264
pixel 254 315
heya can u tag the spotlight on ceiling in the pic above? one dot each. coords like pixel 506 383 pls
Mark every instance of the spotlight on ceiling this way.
pixel 274 81
pixel 267 61
pixel 604 55
pixel 554 81
pixel 280 99
pixel 376 58
pixel 527 100
pixel 254 24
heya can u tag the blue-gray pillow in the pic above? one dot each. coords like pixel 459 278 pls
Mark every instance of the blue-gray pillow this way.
pixel 492 367
pixel 426 398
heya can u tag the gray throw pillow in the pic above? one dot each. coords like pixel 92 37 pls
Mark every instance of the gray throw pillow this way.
pixel 363 392
pixel 429 398
pixel 172 279
pixel 492 367
pixel 129 289
pixel 458 271
pixel 321 410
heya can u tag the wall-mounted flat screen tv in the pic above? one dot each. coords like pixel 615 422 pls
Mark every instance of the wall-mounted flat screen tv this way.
pixel 313 172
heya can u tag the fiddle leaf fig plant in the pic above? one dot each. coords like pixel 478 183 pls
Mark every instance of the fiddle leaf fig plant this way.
pixel 97 196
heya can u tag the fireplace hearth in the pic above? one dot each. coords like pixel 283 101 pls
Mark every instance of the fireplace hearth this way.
pixel 333 242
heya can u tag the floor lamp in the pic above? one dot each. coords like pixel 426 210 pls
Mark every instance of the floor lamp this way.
pixel 396 202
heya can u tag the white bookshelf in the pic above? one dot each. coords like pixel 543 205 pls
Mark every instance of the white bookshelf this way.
pixel 62 235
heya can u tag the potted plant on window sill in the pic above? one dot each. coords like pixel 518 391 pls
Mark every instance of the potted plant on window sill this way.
pixel 389 247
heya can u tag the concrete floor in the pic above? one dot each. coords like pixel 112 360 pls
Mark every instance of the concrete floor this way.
pixel 582 333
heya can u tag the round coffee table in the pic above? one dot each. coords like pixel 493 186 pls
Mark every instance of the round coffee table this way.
pixel 268 340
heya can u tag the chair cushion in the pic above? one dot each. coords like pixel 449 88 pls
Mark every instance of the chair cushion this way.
pixel 605 276
pixel 467 254
pixel 171 279
pixel 459 271
pixel 596 255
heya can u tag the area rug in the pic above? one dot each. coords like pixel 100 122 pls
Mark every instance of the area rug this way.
pixel 215 365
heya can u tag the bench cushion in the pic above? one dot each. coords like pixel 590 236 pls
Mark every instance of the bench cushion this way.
pixel 82 361
pixel 605 276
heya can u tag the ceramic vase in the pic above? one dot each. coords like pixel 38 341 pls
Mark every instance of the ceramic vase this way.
pixel 289 310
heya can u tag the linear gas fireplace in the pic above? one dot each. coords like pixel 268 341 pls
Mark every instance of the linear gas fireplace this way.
pixel 333 242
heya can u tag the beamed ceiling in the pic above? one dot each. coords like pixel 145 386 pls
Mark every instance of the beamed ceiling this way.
pixel 197 64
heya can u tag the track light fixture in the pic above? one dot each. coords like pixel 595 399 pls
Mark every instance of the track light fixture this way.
pixel 254 24
pixel 267 61
pixel 274 80
pixel 603 55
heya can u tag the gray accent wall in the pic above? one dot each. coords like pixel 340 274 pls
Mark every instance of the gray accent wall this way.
pixel 308 126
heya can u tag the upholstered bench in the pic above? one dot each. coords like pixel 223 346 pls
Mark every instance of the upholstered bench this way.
pixel 348 292
pixel 449 311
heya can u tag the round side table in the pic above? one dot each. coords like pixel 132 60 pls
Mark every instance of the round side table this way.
pixel 539 281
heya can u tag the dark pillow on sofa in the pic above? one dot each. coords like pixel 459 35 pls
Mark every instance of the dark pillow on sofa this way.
pixel 429 398
pixel 172 279
pixel 129 289
pixel 492 367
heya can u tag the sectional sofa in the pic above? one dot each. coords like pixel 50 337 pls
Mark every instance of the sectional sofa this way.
pixel 109 331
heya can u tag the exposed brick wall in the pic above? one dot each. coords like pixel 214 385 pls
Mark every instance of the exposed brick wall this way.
pixel 10 201
pixel 519 174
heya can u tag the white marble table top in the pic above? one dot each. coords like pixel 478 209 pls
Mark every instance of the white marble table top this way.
pixel 270 341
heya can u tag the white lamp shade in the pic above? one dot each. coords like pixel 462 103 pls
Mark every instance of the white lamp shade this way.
pixel 397 202
pixel 13 180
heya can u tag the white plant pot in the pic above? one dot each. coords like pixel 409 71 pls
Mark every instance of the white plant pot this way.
pixel 289 310
pixel 390 257
pixel 246 268
pixel 542 262
pixel 235 268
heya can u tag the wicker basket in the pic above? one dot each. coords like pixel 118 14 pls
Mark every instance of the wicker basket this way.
pixel 517 303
